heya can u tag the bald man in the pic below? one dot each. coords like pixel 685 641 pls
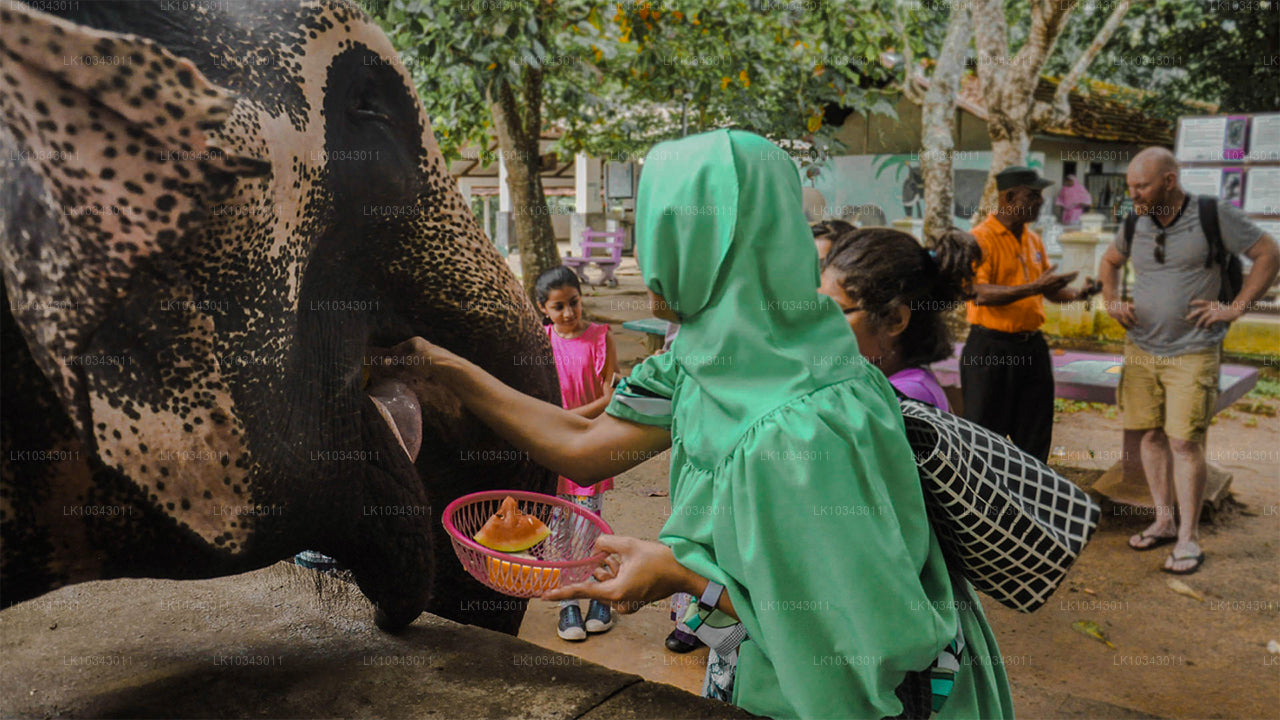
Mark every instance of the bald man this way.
pixel 1173 344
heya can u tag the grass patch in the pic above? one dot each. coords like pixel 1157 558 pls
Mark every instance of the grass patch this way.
pixel 1266 388
pixel 1063 406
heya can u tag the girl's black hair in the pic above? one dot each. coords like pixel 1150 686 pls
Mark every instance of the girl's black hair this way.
pixel 883 269
pixel 554 279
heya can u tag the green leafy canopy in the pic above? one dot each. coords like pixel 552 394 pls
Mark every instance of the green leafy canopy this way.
pixel 619 77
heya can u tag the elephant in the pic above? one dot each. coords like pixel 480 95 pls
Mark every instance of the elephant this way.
pixel 215 216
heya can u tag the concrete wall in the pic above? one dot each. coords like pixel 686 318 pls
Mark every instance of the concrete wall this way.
pixel 882 134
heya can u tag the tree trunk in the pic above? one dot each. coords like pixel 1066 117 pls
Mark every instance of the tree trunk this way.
pixel 1009 144
pixel 1059 111
pixel 1009 82
pixel 518 142
pixel 939 115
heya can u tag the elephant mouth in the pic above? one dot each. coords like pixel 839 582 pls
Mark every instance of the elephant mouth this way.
pixel 401 408
pixel 400 396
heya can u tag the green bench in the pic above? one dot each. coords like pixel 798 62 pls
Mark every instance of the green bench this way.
pixel 655 331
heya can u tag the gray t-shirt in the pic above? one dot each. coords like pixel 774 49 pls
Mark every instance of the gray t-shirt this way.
pixel 1162 292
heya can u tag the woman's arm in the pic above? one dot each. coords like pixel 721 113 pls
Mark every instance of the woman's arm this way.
pixel 583 450
pixel 597 406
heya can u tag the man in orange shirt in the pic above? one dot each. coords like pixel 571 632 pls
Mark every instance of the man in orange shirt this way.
pixel 1006 376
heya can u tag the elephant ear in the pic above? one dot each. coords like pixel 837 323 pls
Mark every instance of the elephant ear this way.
pixel 111 170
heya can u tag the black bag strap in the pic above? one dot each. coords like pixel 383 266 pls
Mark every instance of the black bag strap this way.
pixel 1212 231
pixel 1130 225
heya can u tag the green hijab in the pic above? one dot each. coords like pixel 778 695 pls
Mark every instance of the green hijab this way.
pixel 721 236
pixel 792 483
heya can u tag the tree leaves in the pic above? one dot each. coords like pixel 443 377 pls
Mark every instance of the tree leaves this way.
pixel 618 77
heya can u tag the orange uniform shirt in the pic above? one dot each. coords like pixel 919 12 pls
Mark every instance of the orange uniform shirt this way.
pixel 1007 260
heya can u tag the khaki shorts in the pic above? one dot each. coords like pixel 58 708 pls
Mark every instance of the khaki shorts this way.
pixel 1174 393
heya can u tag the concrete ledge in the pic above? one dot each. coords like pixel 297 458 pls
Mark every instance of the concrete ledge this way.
pixel 1253 334
pixel 268 644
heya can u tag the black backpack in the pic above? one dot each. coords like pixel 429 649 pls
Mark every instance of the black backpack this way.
pixel 1231 269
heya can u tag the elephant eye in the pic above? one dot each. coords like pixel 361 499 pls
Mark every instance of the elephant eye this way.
pixel 367 107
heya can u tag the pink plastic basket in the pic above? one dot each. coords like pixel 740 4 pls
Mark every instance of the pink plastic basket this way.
pixel 564 558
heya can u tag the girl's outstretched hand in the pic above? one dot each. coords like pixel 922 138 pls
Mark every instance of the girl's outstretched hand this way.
pixel 420 357
pixel 636 573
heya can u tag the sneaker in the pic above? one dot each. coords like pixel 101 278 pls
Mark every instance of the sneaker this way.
pixel 682 642
pixel 315 561
pixel 599 617
pixel 570 627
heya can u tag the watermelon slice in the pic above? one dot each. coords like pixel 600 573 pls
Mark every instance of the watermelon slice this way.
pixel 511 531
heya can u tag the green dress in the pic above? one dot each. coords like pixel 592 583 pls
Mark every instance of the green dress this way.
pixel 792 483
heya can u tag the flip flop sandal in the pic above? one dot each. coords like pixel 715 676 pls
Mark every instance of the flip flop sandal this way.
pixel 1157 541
pixel 1198 558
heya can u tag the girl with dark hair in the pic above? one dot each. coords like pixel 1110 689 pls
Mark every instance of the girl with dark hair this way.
pixel 586 362
pixel 895 294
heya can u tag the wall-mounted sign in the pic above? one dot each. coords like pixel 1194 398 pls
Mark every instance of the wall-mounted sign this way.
pixel 619 180
pixel 1232 187
pixel 1236 137
pixel 1264 141
pixel 1262 192
pixel 1201 139
pixel 1201 181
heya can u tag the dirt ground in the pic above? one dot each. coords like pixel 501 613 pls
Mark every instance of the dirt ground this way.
pixel 1174 656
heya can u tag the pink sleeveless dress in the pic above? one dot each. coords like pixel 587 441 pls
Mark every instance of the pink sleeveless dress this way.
pixel 580 365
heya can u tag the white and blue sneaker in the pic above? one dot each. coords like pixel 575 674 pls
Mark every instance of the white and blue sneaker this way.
pixel 599 617
pixel 570 626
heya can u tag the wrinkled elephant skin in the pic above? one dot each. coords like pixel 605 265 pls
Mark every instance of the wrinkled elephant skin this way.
pixel 211 214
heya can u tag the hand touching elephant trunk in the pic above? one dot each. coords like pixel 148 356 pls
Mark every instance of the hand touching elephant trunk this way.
pixel 210 219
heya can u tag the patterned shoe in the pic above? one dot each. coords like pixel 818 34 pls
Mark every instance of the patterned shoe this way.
pixel 570 627
pixel 599 617
pixel 315 561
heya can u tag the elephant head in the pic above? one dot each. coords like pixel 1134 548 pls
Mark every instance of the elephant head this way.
pixel 212 214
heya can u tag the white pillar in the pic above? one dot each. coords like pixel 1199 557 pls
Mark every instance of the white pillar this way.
pixel 504 191
pixel 503 234
pixel 588 181
pixel 488 215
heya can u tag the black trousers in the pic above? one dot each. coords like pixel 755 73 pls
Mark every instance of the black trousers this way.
pixel 1007 384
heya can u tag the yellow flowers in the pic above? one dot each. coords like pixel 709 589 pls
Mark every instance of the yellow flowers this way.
pixel 743 78
pixel 491 66
pixel 598 53
pixel 819 69
pixel 815 122
pixel 677 15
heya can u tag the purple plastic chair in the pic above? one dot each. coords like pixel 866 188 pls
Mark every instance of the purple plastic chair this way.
pixel 610 243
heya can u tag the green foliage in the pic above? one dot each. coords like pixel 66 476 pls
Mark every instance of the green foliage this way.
pixel 769 67
pixel 1224 53
pixel 1265 389
pixel 1062 406
pixel 619 77
pixel 458 51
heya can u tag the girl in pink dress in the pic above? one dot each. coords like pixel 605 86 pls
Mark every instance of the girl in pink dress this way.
pixel 586 363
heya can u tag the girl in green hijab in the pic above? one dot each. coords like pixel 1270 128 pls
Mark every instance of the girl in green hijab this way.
pixel 793 487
